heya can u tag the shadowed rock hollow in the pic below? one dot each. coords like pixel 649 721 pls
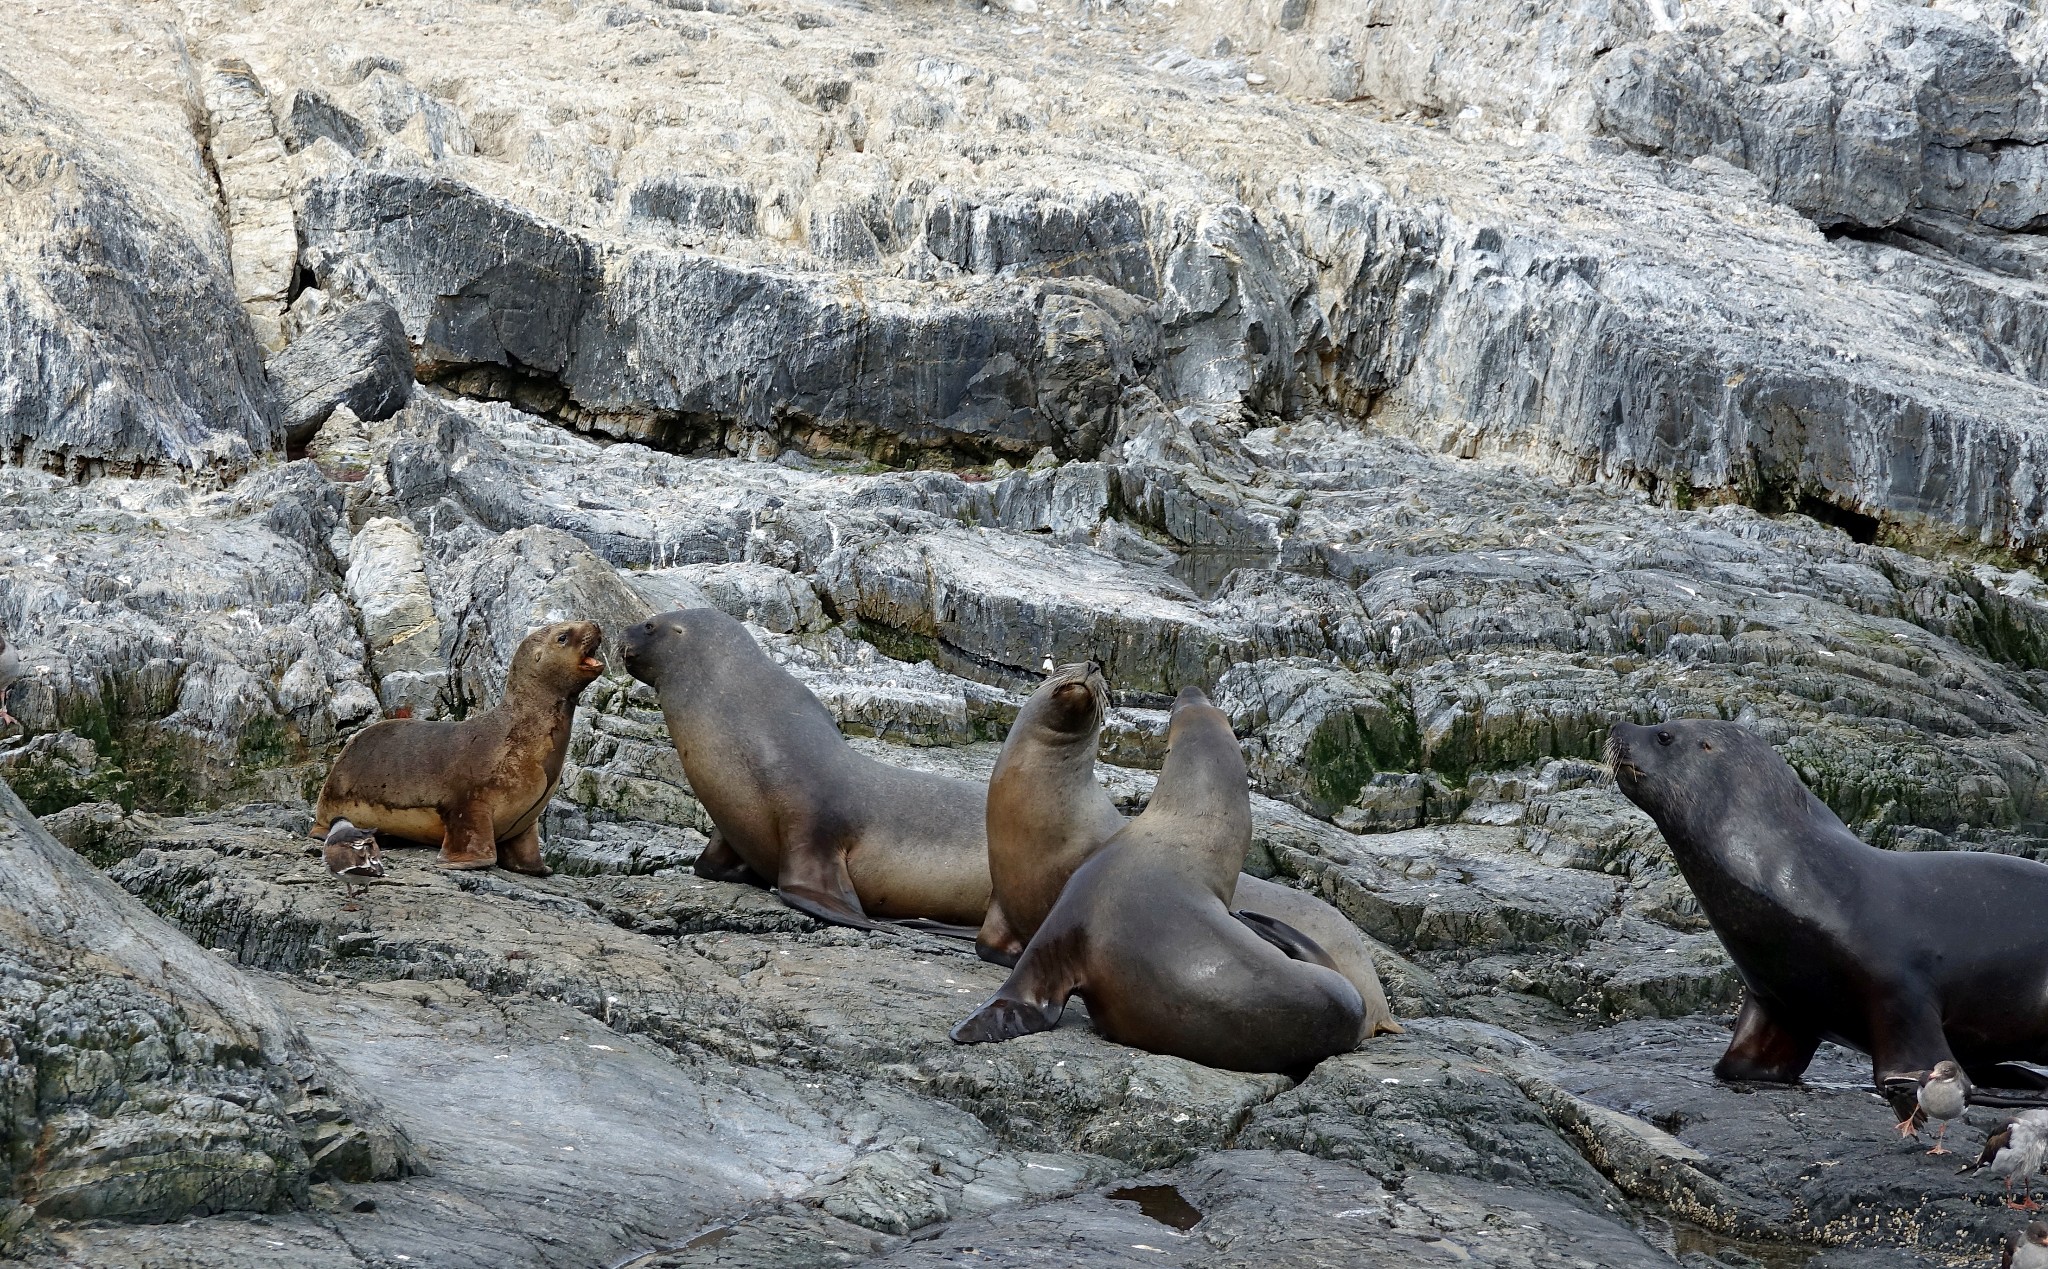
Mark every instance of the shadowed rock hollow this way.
pixel 1436 384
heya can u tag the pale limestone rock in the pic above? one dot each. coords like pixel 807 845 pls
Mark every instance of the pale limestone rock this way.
pixel 387 583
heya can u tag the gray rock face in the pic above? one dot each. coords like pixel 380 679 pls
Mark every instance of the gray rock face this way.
pixel 1896 109
pixel 1430 432
pixel 126 347
pixel 358 358
pixel 145 1080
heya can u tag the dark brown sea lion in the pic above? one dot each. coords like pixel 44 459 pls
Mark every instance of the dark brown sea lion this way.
pixel 476 788
pixel 840 836
pixel 1144 933
pixel 1047 814
pixel 1912 958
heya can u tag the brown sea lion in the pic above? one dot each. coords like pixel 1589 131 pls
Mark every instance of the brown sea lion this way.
pixel 840 836
pixel 1144 933
pixel 1915 958
pixel 476 788
pixel 1047 815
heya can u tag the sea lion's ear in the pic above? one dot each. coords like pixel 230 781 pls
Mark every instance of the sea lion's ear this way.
pixel 1705 745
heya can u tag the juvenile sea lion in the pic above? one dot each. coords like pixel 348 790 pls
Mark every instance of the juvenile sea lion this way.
pixel 1912 958
pixel 476 788
pixel 840 836
pixel 1144 933
pixel 1047 815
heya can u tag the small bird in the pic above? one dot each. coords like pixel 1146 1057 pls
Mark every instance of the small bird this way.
pixel 2016 1150
pixel 1944 1095
pixel 352 855
pixel 2027 1248
pixel 10 669
pixel 1046 668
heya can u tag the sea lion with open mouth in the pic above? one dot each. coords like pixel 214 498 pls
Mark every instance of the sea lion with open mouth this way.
pixel 476 788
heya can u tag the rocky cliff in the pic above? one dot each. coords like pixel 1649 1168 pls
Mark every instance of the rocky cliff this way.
pixel 1438 383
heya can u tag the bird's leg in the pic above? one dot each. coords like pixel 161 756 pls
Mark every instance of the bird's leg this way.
pixel 1906 1128
pixel 2026 1203
pixel 1940 1132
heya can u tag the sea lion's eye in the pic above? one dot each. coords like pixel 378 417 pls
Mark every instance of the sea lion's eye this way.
pixel 1663 737
pixel 562 638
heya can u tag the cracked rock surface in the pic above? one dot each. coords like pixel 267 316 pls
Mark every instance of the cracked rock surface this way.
pixel 1433 383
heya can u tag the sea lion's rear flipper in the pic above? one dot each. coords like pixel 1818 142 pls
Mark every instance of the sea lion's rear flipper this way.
pixel 1297 945
pixel 1764 1049
pixel 720 862
pixel 997 943
pixel 925 925
pixel 814 880
pixel 1004 1017
pixel 522 854
pixel 467 838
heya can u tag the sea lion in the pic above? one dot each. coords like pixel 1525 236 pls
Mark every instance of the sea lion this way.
pixel 1047 814
pixel 1912 958
pixel 476 788
pixel 840 836
pixel 1144 933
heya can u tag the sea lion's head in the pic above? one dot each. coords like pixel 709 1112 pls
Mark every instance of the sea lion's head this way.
pixel 558 660
pixel 1691 773
pixel 671 651
pixel 1070 703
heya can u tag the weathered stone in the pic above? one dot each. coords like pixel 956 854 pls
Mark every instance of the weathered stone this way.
pixel 387 583
pixel 357 357
pixel 256 183
pixel 144 1080
pixel 150 365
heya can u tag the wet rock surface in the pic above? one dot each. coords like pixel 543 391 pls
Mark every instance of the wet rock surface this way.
pixel 1435 384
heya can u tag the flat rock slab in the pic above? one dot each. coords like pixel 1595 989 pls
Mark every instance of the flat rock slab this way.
pixel 1250 1208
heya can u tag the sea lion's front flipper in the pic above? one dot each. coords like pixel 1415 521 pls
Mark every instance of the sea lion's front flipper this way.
pixel 814 880
pixel 1763 1049
pixel 1297 945
pixel 997 943
pixel 467 839
pixel 522 854
pixel 720 862
pixel 1906 1041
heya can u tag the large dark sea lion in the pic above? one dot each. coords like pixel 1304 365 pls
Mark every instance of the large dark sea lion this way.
pixel 476 788
pixel 1047 815
pixel 840 836
pixel 1144 933
pixel 1912 958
